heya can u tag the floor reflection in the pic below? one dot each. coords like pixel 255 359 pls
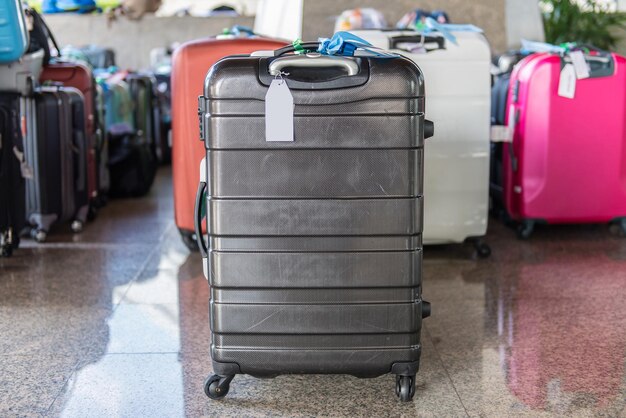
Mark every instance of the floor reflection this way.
pixel 116 324
pixel 561 327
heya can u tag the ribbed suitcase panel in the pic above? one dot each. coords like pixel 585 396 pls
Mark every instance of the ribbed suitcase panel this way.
pixel 315 270
pixel 321 132
pixel 304 318
pixel 315 174
pixel 316 217
pixel 318 244
pixel 357 362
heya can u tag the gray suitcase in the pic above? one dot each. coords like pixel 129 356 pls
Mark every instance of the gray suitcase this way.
pixel 314 252
pixel 56 150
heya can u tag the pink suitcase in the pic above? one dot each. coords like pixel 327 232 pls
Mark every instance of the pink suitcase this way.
pixel 567 159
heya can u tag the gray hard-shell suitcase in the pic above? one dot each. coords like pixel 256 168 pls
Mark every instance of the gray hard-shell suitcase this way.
pixel 56 149
pixel 314 255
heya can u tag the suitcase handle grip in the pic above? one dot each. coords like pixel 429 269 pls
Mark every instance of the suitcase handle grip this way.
pixel 204 251
pixel 600 65
pixel 417 38
pixel 313 61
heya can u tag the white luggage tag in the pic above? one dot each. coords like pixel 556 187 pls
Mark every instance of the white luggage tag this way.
pixel 25 169
pixel 567 82
pixel 500 133
pixel 279 123
pixel 580 64
pixel 504 133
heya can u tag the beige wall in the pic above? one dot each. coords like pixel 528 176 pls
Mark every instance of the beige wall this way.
pixel 133 41
pixel 488 14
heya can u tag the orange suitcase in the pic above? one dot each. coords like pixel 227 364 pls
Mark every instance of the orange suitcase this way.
pixel 190 64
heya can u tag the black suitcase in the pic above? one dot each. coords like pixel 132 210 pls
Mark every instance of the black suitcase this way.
pixel 132 164
pixel 314 255
pixel 164 102
pixel 144 101
pixel 57 150
pixel 12 164
pixel 499 96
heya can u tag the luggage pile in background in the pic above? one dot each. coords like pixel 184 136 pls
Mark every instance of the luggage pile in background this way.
pixel 161 68
pixel 72 134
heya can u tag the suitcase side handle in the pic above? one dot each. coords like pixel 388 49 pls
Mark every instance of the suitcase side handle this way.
pixel 198 219
pixel 440 42
pixel 198 215
pixel 313 61
pixel 429 129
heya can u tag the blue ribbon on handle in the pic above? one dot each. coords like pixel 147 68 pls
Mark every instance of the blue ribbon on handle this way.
pixel 446 29
pixel 529 47
pixel 240 30
pixel 346 44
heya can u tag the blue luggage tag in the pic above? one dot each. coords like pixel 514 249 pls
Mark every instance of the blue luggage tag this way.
pixel 446 29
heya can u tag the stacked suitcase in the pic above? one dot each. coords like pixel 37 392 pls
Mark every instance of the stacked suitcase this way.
pixel 57 148
pixel 80 77
pixel 54 162
pixel 12 187
pixel 314 246
pixel 17 70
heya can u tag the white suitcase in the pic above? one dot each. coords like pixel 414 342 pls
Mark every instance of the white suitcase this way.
pixel 458 97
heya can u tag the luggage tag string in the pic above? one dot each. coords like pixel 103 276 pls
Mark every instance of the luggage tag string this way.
pixel 280 78
pixel 348 45
pixel 297 47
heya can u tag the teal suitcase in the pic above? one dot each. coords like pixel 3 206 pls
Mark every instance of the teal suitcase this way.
pixel 13 31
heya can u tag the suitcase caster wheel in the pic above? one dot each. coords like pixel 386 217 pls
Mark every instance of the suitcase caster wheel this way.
pixel 39 235
pixel 483 250
pixel 6 251
pixel 405 388
pixel 217 387
pixel 619 228
pixel 77 226
pixel 189 239
pixel 525 230
pixel 92 214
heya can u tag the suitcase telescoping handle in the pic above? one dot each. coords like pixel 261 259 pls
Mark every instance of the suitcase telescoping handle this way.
pixel 439 41
pixel 198 215
pixel 306 46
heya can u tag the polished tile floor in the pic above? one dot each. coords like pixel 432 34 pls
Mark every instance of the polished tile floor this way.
pixel 114 323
